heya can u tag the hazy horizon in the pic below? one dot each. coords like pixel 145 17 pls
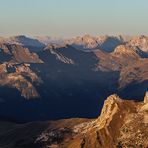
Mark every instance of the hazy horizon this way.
pixel 67 18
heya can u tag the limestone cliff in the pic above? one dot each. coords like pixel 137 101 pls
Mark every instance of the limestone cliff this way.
pixel 122 124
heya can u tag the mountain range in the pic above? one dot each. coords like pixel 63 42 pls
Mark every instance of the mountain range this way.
pixel 47 78
pixel 53 92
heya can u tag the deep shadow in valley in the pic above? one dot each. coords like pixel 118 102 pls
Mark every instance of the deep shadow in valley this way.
pixel 68 90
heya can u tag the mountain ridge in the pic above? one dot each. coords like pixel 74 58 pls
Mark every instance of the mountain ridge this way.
pixel 59 73
pixel 121 123
pixel 105 42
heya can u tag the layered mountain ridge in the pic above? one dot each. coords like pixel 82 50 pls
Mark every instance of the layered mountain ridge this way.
pixel 58 74
pixel 106 43
pixel 122 123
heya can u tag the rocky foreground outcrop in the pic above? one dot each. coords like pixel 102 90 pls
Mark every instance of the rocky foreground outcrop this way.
pixel 122 124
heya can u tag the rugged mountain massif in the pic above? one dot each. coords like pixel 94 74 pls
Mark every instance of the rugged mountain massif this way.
pixel 47 78
pixel 122 124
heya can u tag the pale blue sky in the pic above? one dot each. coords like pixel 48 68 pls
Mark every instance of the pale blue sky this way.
pixel 67 18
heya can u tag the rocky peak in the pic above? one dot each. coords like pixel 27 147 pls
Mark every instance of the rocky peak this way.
pixel 146 97
pixel 141 42
pixel 120 125
pixel 20 54
pixel 57 51
pixel 20 77
pixel 89 39
pixel 125 50
pixel 126 54
pixel 110 108
pixel 145 107
pixel 84 42
pixel 26 41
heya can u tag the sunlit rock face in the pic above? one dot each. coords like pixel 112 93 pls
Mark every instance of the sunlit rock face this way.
pixel 146 98
pixel 121 123
pixel 141 42
pixel 15 76
pixel 15 69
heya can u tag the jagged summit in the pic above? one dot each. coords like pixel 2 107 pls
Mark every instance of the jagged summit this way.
pixel 126 50
pixel 27 41
pixel 19 53
pixel 106 43
pixel 141 42
pixel 23 41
